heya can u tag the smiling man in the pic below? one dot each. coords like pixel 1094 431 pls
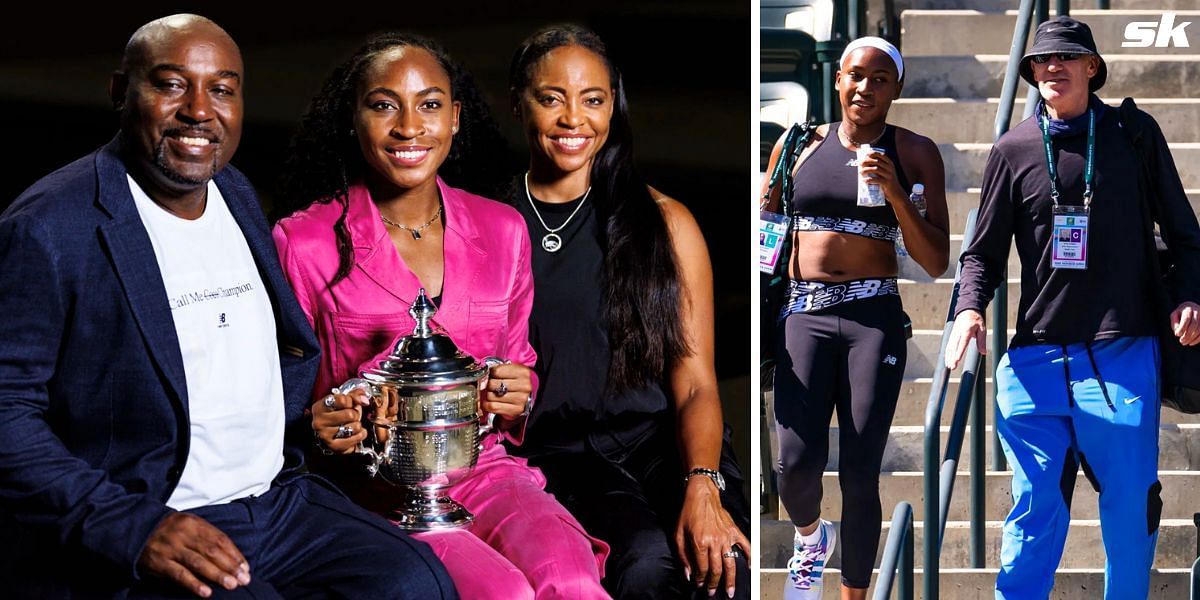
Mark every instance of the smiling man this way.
pixel 1079 384
pixel 154 368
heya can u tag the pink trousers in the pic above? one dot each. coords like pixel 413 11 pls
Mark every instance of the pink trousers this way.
pixel 523 543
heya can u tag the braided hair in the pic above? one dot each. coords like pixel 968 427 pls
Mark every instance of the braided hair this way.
pixel 641 280
pixel 324 159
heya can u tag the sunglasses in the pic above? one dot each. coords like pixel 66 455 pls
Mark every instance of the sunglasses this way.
pixel 1042 59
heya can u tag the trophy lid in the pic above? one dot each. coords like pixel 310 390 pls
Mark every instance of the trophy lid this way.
pixel 427 356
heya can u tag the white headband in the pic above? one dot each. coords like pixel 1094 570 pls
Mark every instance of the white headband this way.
pixel 879 44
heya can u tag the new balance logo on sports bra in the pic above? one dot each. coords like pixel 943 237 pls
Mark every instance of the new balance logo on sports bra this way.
pixel 846 225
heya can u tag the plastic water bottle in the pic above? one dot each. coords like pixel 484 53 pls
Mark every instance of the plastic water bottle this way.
pixel 869 194
pixel 917 197
pixel 908 267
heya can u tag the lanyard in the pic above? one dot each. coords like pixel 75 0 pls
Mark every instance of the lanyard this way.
pixel 1088 167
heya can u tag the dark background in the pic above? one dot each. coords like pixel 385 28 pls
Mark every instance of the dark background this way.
pixel 686 64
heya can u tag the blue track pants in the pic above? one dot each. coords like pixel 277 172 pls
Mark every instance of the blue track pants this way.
pixel 1055 414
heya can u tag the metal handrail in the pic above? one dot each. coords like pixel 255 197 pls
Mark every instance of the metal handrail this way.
pixel 1008 94
pixel 896 566
pixel 940 471
pixel 1194 588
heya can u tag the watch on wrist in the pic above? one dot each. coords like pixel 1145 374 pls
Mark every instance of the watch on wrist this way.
pixel 715 476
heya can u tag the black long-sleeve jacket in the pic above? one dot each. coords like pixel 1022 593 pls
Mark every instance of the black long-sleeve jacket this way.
pixel 1112 297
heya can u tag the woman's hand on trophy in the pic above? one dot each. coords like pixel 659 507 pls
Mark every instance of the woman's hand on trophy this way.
pixel 337 421
pixel 507 392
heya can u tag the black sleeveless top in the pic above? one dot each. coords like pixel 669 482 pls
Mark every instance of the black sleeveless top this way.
pixel 567 328
pixel 826 196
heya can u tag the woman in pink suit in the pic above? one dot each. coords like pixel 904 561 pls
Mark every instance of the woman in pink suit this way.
pixel 371 222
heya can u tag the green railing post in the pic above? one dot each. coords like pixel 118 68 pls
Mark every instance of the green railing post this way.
pixel 905 590
pixel 1102 4
pixel 1194 588
pixel 999 347
pixel 889 23
pixel 896 563
pixel 1062 8
pixel 1003 117
pixel 933 455
pixel 828 54
pixel 978 474
pixel 854 22
pixel 940 472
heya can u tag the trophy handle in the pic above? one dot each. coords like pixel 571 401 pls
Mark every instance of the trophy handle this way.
pixel 490 425
pixel 375 459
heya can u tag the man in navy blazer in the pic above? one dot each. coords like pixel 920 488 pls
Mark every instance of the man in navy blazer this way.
pixel 155 367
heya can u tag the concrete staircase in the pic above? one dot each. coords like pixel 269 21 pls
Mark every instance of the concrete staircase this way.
pixel 956 54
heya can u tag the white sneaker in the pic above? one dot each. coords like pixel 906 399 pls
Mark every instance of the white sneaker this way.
pixel 807 565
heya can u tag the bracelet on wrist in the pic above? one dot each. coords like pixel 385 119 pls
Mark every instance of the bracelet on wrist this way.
pixel 713 474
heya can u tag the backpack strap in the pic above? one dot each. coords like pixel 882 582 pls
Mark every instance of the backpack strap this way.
pixel 1133 123
pixel 798 137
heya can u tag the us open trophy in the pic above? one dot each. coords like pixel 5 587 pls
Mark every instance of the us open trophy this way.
pixel 424 430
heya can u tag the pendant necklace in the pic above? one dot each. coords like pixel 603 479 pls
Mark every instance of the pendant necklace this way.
pixel 415 231
pixel 551 242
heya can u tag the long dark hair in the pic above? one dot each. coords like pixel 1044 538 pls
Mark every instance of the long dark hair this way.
pixel 642 292
pixel 325 158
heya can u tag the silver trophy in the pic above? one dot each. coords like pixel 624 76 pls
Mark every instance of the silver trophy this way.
pixel 423 428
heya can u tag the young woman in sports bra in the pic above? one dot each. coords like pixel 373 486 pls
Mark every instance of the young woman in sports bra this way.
pixel 842 343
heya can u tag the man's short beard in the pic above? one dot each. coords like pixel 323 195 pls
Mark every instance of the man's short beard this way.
pixel 160 162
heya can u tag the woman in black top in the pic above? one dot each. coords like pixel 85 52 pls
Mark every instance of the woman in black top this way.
pixel 842 343
pixel 628 426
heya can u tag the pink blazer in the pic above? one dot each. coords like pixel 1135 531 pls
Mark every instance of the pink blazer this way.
pixel 487 289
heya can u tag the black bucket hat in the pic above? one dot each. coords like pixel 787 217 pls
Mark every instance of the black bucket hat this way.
pixel 1064 34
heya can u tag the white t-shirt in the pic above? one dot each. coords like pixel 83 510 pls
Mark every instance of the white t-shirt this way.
pixel 226 331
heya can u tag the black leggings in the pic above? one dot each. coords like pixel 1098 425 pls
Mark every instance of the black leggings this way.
pixel 850 357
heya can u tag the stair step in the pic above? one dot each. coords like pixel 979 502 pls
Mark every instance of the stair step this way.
pixel 947 120
pixel 981 76
pixel 1177 495
pixel 914 393
pixel 926 304
pixel 924 349
pixel 947 32
pixel 979 584
pixel 1084 548
pixel 1179 448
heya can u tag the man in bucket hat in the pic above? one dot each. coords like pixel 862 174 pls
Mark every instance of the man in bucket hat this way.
pixel 1079 384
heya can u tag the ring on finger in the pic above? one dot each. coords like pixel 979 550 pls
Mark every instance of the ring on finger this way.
pixel 330 402
pixel 730 554
pixel 343 432
pixel 502 390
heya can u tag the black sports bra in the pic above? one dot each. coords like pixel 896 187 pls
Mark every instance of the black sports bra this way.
pixel 826 196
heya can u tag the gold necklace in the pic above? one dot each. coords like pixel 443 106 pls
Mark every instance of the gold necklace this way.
pixel 415 231
pixel 846 137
